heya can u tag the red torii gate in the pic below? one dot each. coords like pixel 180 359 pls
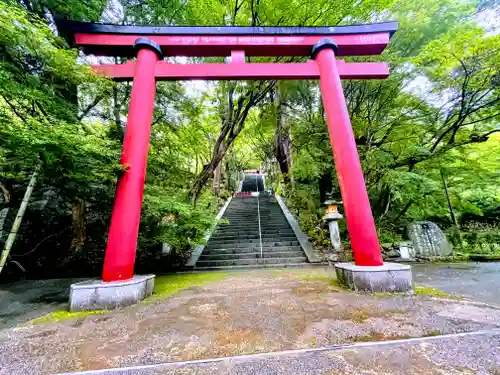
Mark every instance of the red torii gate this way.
pixel 151 44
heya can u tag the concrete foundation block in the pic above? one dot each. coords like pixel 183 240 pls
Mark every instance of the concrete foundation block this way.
pixel 390 277
pixel 99 295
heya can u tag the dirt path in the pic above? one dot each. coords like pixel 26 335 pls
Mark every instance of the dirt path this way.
pixel 248 312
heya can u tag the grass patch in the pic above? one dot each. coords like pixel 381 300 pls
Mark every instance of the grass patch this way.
pixel 378 336
pixel 433 333
pixel 429 291
pixel 335 284
pixel 362 314
pixel 167 285
pixel 338 286
pixel 313 276
pixel 62 315
pixel 433 292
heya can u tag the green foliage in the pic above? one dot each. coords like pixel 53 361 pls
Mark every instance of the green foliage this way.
pixel 476 238
pixel 169 218
pixel 37 121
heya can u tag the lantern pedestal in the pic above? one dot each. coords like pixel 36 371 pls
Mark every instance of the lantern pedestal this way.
pixel 390 277
pixel 332 216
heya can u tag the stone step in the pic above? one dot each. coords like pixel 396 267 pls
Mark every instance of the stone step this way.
pixel 249 241
pixel 246 262
pixel 246 234
pixel 282 232
pixel 263 210
pixel 251 230
pixel 242 214
pixel 254 255
pixel 253 224
pixel 256 266
pixel 256 249
pixel 230 245
pixel 254 218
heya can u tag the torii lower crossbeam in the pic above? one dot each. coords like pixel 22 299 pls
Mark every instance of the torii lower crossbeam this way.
pixel 241 71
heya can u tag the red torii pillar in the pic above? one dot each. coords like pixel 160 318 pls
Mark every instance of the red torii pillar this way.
pixel 360 223
pixel 122 239
pixel 368 271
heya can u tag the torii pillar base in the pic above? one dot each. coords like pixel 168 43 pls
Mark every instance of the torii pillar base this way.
pixel 102 295
pixel 389 277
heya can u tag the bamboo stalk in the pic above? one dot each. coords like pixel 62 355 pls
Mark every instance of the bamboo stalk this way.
pixel 19 218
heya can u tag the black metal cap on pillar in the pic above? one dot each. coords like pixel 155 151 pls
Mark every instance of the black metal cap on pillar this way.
pixel 141 43
pixel 324 44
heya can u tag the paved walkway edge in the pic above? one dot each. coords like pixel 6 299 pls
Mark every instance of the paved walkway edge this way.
pixel 198 249
pixel 172 365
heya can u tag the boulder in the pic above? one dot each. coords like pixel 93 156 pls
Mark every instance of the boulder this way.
pixel 428 240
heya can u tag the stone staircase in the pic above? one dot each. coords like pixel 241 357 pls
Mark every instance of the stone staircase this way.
pixel 237 244
pixel 252 182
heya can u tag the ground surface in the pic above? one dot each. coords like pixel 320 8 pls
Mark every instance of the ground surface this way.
pixel 479 281
pixel 24 300
pixel 244 313
pixel 471 354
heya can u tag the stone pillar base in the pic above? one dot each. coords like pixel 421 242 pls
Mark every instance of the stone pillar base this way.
pixel 99 295
pixel 391 277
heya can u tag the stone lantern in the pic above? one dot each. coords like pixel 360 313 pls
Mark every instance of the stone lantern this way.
pixel 332 216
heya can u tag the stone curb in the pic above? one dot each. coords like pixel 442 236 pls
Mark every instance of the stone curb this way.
pixel 312 257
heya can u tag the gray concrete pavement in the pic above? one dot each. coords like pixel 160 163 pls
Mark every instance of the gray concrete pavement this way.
pixel 21 301
pixel 478 281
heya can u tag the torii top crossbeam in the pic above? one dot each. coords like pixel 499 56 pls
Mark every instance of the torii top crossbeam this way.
pixel 237 42
pixel 206 41
pixel 152 44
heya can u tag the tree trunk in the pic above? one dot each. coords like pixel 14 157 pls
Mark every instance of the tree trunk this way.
pixel 229 182
pixel 281 138
pixel 5 193
pixel 403 211
pixel 206 173
pixel 78 223
pixel 216 180
pixel 19 218
pixel 447 195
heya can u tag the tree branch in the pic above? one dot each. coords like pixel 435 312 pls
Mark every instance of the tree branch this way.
pixel 88 108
